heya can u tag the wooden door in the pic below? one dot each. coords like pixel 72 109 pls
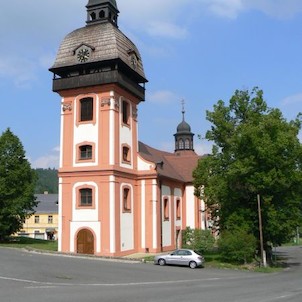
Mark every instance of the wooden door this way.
pixel 85 242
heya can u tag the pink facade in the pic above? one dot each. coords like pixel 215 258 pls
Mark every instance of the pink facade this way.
pixel 117 196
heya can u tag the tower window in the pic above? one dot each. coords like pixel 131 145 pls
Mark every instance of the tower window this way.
pixel 85 197
pixel 126 112
pixel 181 144
pixel 187 144
pixel 126 154
pixel 86 152
pixel 86 109
pixel 102 14
pixel 126 200
pixel 93 16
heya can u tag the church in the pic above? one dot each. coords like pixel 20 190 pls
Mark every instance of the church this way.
pixel 117 195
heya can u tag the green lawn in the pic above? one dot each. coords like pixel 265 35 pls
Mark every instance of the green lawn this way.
pixel 29 243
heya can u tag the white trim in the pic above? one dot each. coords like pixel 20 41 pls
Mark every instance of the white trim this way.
pixel 143 214
pixel 112 130
pixel 60 224
pixel 61 135
pixel 154 212
pixel 112 213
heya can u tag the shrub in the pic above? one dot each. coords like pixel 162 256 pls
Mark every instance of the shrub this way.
pixel 198 240
pixel 237 246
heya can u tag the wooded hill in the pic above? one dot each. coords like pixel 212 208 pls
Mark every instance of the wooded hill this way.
pixel 47 181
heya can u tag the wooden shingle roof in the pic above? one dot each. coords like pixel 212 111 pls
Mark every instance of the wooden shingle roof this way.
pixel 107 43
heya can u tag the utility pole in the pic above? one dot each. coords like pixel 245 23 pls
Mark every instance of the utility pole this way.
pixel 262 252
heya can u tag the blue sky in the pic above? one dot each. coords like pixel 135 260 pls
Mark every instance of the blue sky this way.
pixel 197 50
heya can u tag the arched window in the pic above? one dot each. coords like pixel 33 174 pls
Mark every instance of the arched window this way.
pixel 126 199
pixel 181 144
pixel 166 209
pixel 93 16
pixel 102 14
pixel 187 144
pixel 126 154
pixel 178 209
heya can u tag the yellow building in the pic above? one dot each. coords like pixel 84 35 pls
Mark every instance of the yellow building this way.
pixel 44 223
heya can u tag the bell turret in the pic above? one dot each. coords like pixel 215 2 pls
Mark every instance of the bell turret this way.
pixel 100 11
pixel 184 136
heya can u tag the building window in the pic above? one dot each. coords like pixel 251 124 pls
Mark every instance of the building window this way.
pixel 187 144
pixel 50 219
pixel 126 112
pixel 181 144
pixel 102 14
pixel 126 154
pixel 86 110
pixel 37 219
pixel 85 197
pixel 86 152
pixel 166 209
pixel 178 209
pixel 126 200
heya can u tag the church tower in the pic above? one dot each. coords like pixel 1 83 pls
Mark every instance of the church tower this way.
pixel 98 72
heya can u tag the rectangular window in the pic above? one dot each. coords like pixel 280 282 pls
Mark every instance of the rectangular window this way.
pixel 126 112
pixel 126 154
pixel 50 219
pixel 166 209
pixel 86 109
pixel 37 219
pixel 178 209
pixel 86 152
pixel 85 197
pixel 126 200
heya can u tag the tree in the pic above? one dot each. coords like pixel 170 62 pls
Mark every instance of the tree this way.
pixel 255 151
pixel 17 183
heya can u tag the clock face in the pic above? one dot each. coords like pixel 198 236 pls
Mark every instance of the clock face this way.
pixel 83 55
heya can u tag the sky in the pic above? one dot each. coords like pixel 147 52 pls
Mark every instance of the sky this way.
pixel 199 51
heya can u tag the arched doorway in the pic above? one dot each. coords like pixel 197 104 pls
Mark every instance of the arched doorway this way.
pixel 85 242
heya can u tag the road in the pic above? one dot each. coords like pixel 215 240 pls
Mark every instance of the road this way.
pixel 34 277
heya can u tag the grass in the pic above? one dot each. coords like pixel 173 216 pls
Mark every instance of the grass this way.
pixel 30 243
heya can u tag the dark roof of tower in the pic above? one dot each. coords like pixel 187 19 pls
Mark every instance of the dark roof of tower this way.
pixel 97 2
pixel 106 41
pixel 183 127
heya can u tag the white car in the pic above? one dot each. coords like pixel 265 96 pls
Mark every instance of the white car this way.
pixel 180 257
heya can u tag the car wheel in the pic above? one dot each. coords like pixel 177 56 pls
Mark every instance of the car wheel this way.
pixel 192 264
pixel 161 262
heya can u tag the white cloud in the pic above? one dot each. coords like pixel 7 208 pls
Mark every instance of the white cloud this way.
pixel 292 100
pixel 166 29
pixel 225 8
pixel 280 9
pixel 203 147
pixel 20 70
pixel 276 8
pixel 50 160
pixel 162 97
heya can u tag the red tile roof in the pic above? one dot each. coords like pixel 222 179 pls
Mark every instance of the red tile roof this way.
pixel 178 166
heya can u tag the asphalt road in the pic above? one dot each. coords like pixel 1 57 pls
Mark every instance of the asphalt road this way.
pixel 32 277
